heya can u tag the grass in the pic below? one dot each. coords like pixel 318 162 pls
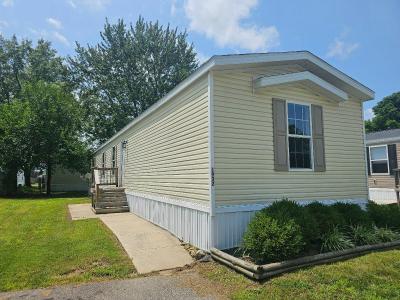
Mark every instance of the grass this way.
pixel 40 246
pixel 373 276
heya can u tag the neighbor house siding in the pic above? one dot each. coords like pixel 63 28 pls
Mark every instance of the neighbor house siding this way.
pixel 243 135
pixel 167 151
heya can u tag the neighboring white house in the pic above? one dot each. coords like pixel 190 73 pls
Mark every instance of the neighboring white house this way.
pixel 383 149
pixel 239 133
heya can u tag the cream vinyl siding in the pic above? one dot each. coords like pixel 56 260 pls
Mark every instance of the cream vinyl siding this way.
pixel 167 151
pixel 243 136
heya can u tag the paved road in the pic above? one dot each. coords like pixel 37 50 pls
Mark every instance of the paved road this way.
pixel 155 287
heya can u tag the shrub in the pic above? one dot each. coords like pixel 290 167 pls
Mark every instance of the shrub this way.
pixel 353 214
pixel 384 215
pixel 268 239
pixel 386 235
pixel 326 216
pixel 290 210
pixel 362 235
pixel 335 240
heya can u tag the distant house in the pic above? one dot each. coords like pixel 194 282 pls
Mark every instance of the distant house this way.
pixel 239 133
pixel 383 156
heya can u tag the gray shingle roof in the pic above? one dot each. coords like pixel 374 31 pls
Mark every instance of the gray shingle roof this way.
pixel 385 135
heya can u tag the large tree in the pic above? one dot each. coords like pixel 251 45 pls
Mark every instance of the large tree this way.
pixel 130 69
pixel 57 131
pixel 22 62
pixel 387 114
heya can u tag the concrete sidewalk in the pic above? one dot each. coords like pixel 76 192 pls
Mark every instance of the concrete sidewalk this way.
pixel 150 247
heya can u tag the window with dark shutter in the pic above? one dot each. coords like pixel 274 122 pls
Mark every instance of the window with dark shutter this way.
pixel 392 154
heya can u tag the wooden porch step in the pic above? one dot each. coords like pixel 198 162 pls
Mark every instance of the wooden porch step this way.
pixel 111 210
pixel 111 204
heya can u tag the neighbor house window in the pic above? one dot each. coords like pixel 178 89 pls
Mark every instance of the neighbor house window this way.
pixel 378 157
pixel 299 136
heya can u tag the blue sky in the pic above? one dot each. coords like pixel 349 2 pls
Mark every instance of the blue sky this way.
pixel 360 37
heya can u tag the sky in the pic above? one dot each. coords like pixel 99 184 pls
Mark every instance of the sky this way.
pixel 359 37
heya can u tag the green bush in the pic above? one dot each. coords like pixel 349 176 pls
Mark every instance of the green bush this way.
pixel 326 216
pixel 384 215
pixel 353 214
pixel 268 239
pixel 385 235
pixel 290 210
pixel 363 235
pixel 335 240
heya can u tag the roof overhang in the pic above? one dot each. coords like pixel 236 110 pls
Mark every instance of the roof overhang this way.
pixel 307 60
pixel 306 78
pixel 382 141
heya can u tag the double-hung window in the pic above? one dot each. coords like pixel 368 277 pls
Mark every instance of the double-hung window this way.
pixel 299 136
pixel 378 157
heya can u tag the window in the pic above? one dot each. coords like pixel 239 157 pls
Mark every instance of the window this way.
pixel 103 160
pixel 299 135
pixel 378 157
pixel 114 152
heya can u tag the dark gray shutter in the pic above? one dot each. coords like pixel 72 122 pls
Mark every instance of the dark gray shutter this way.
pixel 368 161
pixel 392 153
pixel 280 135
pixel 318 138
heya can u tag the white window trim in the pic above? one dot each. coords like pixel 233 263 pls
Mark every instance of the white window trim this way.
pixel 387 159
pixel 299 136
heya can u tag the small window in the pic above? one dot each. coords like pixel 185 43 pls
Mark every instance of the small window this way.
pixel 103 160
pixel 299 135
pixel 114 152
pixel 378 156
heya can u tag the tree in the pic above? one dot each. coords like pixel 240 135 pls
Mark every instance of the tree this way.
pixel 387 114
pixel 130 69
pixel 21 62
pixel 57 128
pixel 15 140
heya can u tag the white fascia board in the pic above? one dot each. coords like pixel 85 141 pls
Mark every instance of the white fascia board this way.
pixel 394 140
pixel 267 81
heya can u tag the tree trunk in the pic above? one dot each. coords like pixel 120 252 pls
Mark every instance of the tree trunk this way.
pixel 48 183
pixel 10 182
pixel 27 175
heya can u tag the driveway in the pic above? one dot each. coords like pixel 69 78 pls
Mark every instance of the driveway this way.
pixel 155 287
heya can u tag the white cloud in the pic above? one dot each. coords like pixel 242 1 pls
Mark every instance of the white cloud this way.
pixel 60 38
pixel 7 3
pixel 221 20
pixel 368 114
pixel 54 22
pixel 91 4
pixel 341 48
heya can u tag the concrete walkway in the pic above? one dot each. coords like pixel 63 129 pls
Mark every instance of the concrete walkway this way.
pixel 154 287
pixel 150 247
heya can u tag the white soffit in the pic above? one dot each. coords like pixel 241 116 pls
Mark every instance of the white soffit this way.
pixel 307 77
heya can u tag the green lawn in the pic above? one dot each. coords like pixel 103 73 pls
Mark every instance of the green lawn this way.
pixel 373 276
pixel 40 246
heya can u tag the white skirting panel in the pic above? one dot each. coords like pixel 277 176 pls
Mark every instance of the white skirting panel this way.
pixel 231 221
pixel 382 195
pixel 183 220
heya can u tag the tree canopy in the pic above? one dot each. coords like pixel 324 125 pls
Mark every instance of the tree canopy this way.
pixel 387 114
pixel 129 70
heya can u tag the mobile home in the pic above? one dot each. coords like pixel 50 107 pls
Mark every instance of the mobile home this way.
pixel 241 132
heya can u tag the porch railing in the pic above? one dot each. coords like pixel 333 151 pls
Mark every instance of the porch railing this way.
pixel 102 177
